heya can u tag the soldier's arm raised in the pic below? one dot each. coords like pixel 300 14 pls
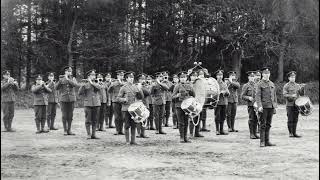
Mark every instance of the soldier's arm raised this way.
pixel 235 84
pixel 47 89
pixel 36 88
pixel 58 85
pixel 5 85
pixel 82 90
pixel 164 86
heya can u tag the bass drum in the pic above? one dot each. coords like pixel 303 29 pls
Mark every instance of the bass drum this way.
pixel 207 92
pixel 191 107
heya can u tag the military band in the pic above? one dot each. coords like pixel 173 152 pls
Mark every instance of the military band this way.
pixel 105 97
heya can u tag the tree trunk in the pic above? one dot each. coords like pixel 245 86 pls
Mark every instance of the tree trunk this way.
pixel 69 47
pixel 236 62
pixel 29 48
pixel 281 60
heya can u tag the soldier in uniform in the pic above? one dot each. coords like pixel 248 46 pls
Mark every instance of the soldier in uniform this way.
pixel 267 103
pixel 67 97
pixel 291 91
pixel 203 73
pixel 103 101
pixel 168 97
pixel 116 105
pixel 52 102
pixel 233 86
pixel 182 91
pixel 150 83
pixel 128 94
pixel 109 113
pixel 9 87
pixel 248 94
pixel 90 91
pixel 142 85
pixel 220 111
pixel 175 80
pixel 40 101
pixel 158 98
pixel 257 79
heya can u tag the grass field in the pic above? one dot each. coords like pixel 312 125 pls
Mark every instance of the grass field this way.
pixel 26 155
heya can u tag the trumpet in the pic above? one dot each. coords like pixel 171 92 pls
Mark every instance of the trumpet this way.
pixel 11 80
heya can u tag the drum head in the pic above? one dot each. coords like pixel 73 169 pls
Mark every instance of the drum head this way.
pixel 199 87
pixel 206 89
pixel 301 101
pixel 186 103
pixel 134 106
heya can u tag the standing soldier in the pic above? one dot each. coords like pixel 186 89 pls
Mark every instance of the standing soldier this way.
pixel 52 102
pixel 291 91
pixel 9 87
pixel 182 91
pixel 103 100
pixel 142 85
pixel 158 97
pixel 128 94
pixel 109 112
pixel 202 73
pixel 220 111
pixel 257 79
pixel 248 94
pixel 116 105
pixel 67 96
pixel 175 80
pixel 40 101
pixel 90 91
pixel 167 97
pixel 150 83
pixel 233 86
pixel 267 103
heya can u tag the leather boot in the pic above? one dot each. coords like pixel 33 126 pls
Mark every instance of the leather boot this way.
pixel 126 132
pixel 133 136
pixel 221 129
pixel 262 138
pixel 186 135
pixel 294 128
pixel 88 129
pixel 204 126
pixel 251 131
pixel 65 130
pixel 290 131
pixel 69 128
pixel 181 131
pixel 93 135
pixel 191 128
pixel 197 131
pixel 232 125
pixel 267 139
pixel 217 128
pixel 254 130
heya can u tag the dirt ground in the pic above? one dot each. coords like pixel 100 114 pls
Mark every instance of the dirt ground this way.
pixel 26 155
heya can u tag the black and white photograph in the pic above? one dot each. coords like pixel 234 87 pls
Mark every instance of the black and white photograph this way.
pixel 159 89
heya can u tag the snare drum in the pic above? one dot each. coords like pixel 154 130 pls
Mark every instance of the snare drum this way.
pixel 304 105
pixel 191 107
pixel 139 112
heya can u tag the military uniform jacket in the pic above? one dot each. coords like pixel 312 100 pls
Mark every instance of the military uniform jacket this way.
pixel 114 90
pixel 158 93
pixel 127 95
pixel 108 84
pixel 249 90
pixel 66 88
pixel 168 93
pixel 40 94
pixel 53 96
pixel 90 94
pixel 103 93
pixel 186 91
pixel 223 97
pixel 8 91
pixel 289 89
pixel 146 93
pixel 266 94
pixel 149 99
pixel 233 96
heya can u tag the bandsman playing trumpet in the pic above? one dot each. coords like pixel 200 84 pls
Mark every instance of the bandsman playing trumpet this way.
pixel 248 94
pixel 168 97
pixel 67 97
pixel 182 91
pixel 90 91
pixel 158 98
pixel 233 87
pixel 116 105
pixel 9 87
pixel 142 85
pixel 52 102
pixel 291 91
pixel 128 94
pixel 103 100
pixel 40 101
pixel 220 111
